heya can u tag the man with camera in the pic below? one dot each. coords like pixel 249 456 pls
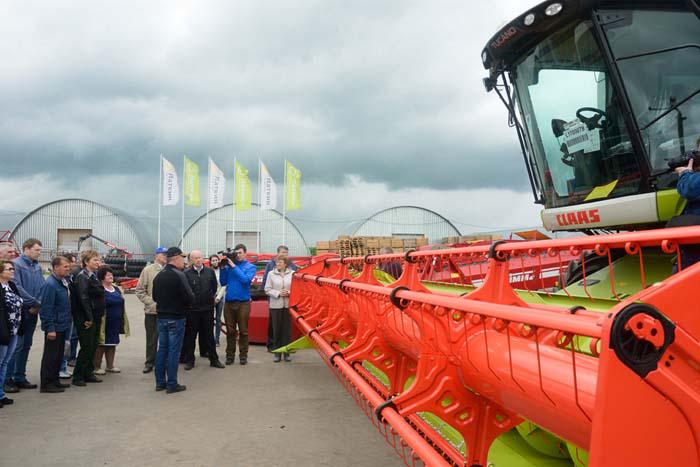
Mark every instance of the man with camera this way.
pixel 237 274
pixel 689 183
pixel 689 188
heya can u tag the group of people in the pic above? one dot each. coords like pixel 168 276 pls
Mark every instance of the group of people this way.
pixel 76 304
pixel 79 305
pixel 185 306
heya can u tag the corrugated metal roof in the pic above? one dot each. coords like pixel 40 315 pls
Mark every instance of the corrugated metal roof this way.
pixel 403 221
pixel 111 224
pixel 221 223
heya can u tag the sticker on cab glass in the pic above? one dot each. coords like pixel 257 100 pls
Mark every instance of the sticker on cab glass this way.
pixel 578 137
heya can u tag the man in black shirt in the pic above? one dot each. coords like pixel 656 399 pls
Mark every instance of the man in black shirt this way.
pixel 88 309
pixel 173 296
pixel 200 316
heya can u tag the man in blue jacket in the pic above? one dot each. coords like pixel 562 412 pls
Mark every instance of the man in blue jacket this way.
pixel 55 322
pixel 689 188
pixel 236 276
pixel 30 282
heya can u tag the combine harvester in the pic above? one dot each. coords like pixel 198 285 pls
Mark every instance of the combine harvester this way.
pixel 588 362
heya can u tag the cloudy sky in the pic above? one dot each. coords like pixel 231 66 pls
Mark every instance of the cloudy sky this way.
pixel 378 103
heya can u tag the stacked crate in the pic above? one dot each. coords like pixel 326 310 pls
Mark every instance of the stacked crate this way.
pixel 361 246
pixel 471 238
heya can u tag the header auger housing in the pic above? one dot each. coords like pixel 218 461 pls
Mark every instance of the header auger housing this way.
pixel 447 371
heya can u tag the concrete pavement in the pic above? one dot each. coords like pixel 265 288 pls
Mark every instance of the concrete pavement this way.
pixel 263 414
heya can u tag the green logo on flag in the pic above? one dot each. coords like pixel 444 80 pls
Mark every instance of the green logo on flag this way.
pixel 191 183
pixel 293 188
pixel 243 189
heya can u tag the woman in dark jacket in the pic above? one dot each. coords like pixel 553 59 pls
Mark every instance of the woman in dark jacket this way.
pixel 113 324
pixel 10 319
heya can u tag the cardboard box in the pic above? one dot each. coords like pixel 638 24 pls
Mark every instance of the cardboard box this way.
pixel 373 243
pixel 421 241
pixel 397 242
pixel 385 242
pixel 324 245
pixel 409 243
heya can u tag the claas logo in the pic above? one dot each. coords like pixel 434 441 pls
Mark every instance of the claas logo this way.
pixel 590 216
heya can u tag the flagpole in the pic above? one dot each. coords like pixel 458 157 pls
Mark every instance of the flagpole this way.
pixel 182 219
pixel 284 206
pixel 160 194
pixel 259 203
pixel 206 242
pixel 233 223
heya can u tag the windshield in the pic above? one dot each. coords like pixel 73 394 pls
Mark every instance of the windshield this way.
pixel 574 122
pixel 658 55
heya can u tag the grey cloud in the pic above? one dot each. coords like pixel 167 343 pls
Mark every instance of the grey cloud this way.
pixel 389 91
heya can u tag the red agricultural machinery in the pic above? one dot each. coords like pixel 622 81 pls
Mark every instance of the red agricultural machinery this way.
pixel 577 351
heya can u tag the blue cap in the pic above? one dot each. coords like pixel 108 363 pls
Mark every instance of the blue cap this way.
pixel 161 249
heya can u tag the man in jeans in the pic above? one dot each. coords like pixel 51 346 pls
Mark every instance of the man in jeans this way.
pixel 144 292
pixel 30 282
pixel 237 275
pixel 55 322
pixel 173 297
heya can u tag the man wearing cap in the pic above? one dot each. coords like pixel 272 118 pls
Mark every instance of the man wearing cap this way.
pixel 144 292
pixel 173 297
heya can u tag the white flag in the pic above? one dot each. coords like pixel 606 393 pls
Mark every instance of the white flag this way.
pixel 217 182
pixel 171 189
pixel 268 189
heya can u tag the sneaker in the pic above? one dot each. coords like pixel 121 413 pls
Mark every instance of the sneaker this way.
pixel 189 366
pixel 52 389
pixel 216 364
pixel 71 362
pixel 25 385
pixel 147 369
pixel 10 387
pixel 65 374
pixel 244 360
pixel 287 358
pixel 79 382
pixel 160 388
pixel 100 372
pixel 230 360
pixel 61 385
pixel 113 370
pixel 6 401
pixel 93 379
pixel 277 358
pixel 178 388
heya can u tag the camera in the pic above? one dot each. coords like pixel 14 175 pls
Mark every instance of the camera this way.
pixel 682 161
pixel 227 253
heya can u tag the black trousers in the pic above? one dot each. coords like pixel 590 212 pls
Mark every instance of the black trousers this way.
pixel 52 358
pixel 270 337
pixel 199 323
pixel 281 327
pixel 88 338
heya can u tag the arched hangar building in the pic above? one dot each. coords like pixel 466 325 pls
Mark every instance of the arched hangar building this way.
pixel 60 224
pixel 403 222
pixel 248 230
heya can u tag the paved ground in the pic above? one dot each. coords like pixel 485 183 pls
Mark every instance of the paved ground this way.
pixel 264 414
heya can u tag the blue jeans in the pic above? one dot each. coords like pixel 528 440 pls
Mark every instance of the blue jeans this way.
pixel 217 322
pixel 170 336
pixel 66 355
pixel 6 352
pixel 17 367
pixel 74 343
